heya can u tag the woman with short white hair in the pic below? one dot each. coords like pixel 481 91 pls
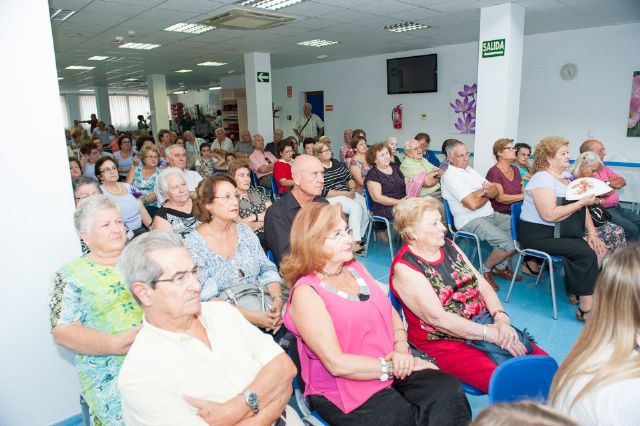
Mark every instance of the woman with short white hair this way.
pixel 91 311
pixel 176 213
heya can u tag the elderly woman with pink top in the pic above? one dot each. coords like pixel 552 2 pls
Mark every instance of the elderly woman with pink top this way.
pixel 354 357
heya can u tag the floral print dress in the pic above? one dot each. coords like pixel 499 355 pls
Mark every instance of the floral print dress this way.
pixel 96 297
pixel 145 185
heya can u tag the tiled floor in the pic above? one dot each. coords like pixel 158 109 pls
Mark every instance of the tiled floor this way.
pixel 529 307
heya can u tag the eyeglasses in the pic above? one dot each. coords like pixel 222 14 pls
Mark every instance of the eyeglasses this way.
pixel 153 157
pixel 180 278
pixel 227 198
pixel 109 169
pixel 287 151
pixel 465 155
pixel 326 150
pixel 340 234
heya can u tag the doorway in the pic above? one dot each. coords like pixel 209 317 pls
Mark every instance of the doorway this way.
pixel 316 99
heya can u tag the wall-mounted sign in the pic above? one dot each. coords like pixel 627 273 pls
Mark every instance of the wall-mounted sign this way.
pixel 263 77
pixel 289 91
pixel 493 48
pixel 328 107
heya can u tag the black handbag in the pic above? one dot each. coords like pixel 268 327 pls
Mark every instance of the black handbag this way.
pixel 599 215
pixel 573 226
pixel 493 351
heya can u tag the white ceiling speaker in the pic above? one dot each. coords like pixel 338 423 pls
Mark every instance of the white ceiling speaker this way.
pixel 118 40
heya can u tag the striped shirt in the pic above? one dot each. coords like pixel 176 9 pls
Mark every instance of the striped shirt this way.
pixel 336 178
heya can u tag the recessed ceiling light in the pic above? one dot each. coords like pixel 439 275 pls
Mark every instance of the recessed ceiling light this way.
pixel 212 64
pixel 79 67
pixel 322 56
pixel 99 58
pixel 231 71
pixel 189 28
pixel 139 46
pixel 71 34
pixel 404 27
pixel 268 4
pixel 85 90
pixel 183 71
pixel 60 14
pixel 215 88
pixel 318 43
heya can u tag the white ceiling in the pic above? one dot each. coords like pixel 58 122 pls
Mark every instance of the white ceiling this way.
pixel 355 23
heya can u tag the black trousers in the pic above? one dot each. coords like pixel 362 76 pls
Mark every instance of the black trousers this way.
pixel 580 261
pixel 428 397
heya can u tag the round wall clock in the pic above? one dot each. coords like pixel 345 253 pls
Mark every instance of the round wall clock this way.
pixel 568 72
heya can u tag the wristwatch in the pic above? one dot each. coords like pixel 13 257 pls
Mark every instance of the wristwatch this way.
pixel 251 398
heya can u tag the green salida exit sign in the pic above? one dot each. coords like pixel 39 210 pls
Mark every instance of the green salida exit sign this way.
pixel 493 48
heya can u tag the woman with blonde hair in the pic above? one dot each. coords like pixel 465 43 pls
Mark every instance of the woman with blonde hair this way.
pixel 354 356
pixel 580 248
pixel 599 380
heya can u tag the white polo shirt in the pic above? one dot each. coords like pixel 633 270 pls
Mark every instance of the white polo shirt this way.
pixel 456 184
pixel 163 366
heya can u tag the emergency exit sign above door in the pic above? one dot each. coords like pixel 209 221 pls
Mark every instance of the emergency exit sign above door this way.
pixel 493 48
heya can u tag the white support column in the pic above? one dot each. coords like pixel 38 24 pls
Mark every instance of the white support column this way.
pixel 257 74
pixel 39 383
pixel 102 101
pixel 157 84
pixel 73 106
pixel 499 79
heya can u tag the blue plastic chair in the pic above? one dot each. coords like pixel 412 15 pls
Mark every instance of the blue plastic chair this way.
pixel 256 183
pixel 463 234
pixel 516 210
pixel 270 256
pixel 274 189
pixel 373 218
pixel 468 389
pixel 522 378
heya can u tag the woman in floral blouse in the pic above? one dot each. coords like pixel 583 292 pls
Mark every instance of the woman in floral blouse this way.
pixel 143 175
pixel 253 202
pixel 440 292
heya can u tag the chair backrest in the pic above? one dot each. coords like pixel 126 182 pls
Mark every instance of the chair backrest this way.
pixel 449 217
pixel 254 179
pixel 516 210
pixel 274 187
pixel 367 198
pixel 270 256
pixel 395 302
pixel 522 378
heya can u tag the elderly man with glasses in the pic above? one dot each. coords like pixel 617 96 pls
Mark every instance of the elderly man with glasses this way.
pixel 195 363
pixel 468 195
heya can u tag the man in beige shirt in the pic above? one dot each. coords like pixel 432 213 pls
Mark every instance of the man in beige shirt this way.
pixel 195 363
pixel 309 125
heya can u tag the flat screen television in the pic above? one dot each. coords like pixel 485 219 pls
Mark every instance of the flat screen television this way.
pixel 415 74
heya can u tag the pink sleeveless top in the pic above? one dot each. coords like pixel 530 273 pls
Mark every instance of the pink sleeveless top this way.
pixel 362 327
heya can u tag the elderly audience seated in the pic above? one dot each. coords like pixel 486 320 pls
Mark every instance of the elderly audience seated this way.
pixel 586 165
pixel 523 152
pixel 221 142
pixel 441 292
pixel 229 254
pixel 629 220
pixel 244 147
pixel 90 153
pixel 505 176
pixel 354 356
pixel 124 156
pixel 253 203
pixel 195 363
pixel 75 169
pixel 541 212
pixel 134 214
pixel 176 214
pixel 144 174
pixel 392 142
pixel 424 139
pixel 346 150
pixel 468 195
pixel 357 164
pixel 91 311
pixel 415 166
pixel 308 178
pixel 262 162
pixel 282 168
pixel 598 382
pixel 272 147
pixel 339 188
pixel 177 157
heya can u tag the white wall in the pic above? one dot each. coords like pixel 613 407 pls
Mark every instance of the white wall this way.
pixel 597 100
pixel 38 383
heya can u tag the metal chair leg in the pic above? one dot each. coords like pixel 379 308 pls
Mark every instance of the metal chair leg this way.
pixel 541 272
pixel 390 240
pixel 479 246
pixel 553 291
pixel 513 279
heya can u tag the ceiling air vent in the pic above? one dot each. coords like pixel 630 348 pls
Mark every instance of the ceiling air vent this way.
pixel 241 19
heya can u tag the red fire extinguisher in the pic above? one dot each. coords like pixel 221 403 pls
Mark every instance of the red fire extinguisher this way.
pixel 396 117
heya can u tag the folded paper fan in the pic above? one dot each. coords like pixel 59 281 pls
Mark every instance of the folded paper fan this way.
pixel 586 186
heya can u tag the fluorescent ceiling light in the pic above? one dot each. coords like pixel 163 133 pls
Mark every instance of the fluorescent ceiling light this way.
pixel 212 64
pixel 322 56
pixel 268 4
pixel 133 79
pixel 60 14
pixel 98 58
pixel 318 43
pixel 404 27
pixel 183 71
pixel 79 67
pixel 179 93
pixel 215 88
pixel 85 90
pixel 189 28
pixel 139 46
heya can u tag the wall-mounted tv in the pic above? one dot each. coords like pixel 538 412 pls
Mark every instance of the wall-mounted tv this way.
pixel 415 74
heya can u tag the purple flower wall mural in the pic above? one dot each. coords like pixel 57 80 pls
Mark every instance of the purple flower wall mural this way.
pixel 633 127
pixel 463 108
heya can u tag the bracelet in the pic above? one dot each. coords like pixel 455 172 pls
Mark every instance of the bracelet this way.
pixel 498 311
pixel 404 342
pixel 400 329
pixel 386 370
pixel 256 215
pixel 484 332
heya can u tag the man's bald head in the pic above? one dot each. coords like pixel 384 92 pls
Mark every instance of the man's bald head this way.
pixel 593 145
pixel 308 174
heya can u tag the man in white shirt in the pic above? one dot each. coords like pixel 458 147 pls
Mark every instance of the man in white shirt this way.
pixel 309 125
pixel 194 363
pixel 468 195
pixel 177 157
pixel 262 161
pixel 222 142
